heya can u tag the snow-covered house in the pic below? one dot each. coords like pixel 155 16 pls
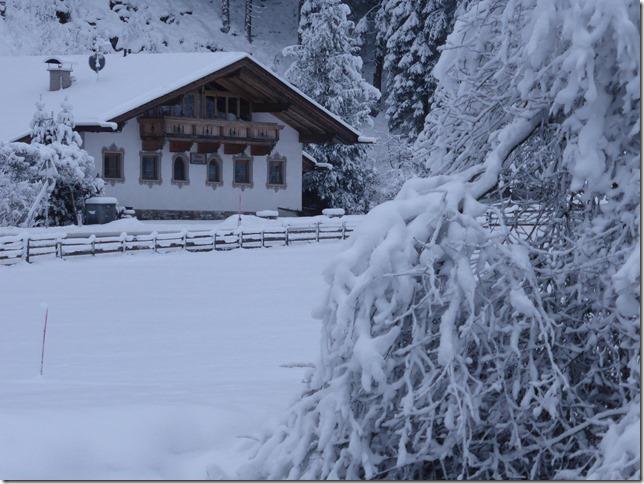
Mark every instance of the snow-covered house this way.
pixel 179 135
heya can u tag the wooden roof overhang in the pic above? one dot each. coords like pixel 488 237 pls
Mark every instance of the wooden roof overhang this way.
pixel 267 93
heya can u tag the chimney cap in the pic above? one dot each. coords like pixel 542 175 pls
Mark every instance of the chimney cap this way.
pixel 54 64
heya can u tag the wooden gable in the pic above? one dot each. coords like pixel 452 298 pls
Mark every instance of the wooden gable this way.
pixel 267 93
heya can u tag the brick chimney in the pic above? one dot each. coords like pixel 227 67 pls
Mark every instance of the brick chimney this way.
pixel 60 75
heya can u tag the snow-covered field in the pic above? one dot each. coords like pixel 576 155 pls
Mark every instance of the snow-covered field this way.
pixel 156 367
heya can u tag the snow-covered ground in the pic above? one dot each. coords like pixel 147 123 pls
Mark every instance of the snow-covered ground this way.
pixel 156 367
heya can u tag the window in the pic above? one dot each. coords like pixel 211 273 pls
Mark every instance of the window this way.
pixel 189 105
pixel 244 110
pixel 150 167
pixel 276 172
pixel 113 165
pixel 214 171
pixel 221 107
pixel 180 169
pixel 233 104
pixel 242 174
pixel 210 107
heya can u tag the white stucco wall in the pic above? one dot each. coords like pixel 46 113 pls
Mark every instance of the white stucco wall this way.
pixel 196 195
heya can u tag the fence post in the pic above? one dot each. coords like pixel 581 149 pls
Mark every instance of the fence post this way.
pixel 26 248
pixel 59 249
pixel 240 236
pixel 317 232
pixel 123 236
pixel 262 236
pixel 343 234
pixel 93 245
pixel 214 241
pixel 286 236
pixel 184 239
pixel 154 242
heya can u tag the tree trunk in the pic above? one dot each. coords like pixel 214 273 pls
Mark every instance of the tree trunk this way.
pixel 225 15
pixel 300 4
pixel 248 20
pixel 377 74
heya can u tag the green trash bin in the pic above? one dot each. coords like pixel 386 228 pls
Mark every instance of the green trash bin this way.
pixel 100 210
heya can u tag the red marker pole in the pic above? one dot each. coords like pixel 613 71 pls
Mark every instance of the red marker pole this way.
pixel 44 335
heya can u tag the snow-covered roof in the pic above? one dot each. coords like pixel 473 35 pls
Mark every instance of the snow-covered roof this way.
pixel 123 85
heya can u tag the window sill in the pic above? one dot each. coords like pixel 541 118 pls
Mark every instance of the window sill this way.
pixel 243 186
pixel 150 183
pixel 180 183
pixel 213 184
pixel 276 187
pixel 113 181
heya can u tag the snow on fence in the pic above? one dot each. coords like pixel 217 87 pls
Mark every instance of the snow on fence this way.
pixel 14 248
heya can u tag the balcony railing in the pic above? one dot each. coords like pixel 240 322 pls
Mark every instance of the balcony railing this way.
pixel 209 130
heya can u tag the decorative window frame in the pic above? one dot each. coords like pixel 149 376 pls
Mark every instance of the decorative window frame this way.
pixel 243 156
pixel 158 156
pixel 186 166
pixel 215 158
pixel 113 149
pixel 275 157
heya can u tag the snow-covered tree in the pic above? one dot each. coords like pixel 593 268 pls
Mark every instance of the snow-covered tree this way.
pixel 248 20
pixel 43 126
pixel 328 68
pixel 21 182
pixel 409 35
pixel 450 350
pixel 47 181
pixel 225 16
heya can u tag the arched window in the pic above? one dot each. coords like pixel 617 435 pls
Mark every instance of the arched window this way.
pixel 213 175
pixel 180 169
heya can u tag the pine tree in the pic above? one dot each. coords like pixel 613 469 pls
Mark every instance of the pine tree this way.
pixel 225 16
pixel 412 31
pixel 65 133
pixel 63 161
pixel 43 127
pixel 248 20
pixel 328 68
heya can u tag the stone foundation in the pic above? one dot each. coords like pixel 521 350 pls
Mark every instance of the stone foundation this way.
pixel 184 214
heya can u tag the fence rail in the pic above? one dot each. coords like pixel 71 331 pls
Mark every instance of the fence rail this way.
pixel 14 248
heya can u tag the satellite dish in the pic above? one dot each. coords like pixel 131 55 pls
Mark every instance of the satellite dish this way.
pixel 96 62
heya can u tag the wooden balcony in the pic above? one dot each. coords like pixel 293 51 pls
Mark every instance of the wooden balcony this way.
pixel 182 132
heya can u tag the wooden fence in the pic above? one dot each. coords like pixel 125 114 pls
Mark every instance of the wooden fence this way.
pixel 14 248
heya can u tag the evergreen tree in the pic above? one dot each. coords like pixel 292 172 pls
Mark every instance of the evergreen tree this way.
pixel 328 68
pixel 411 32
pixel 64 132
pixel 43 127
pixel 248 20
pixel 62 160
pixel 225 16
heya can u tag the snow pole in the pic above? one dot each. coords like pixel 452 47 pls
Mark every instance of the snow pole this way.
pixel 44 335
pixel 239 210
